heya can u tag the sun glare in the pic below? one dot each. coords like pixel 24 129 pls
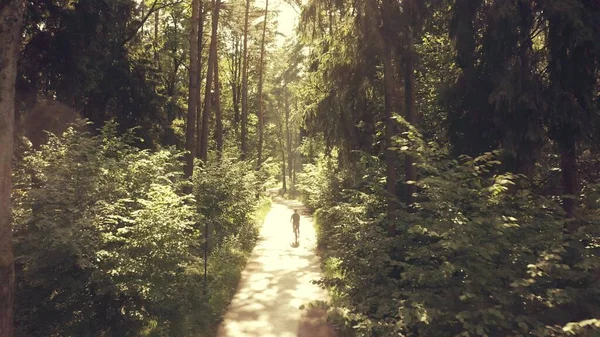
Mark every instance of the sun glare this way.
pixel 287 19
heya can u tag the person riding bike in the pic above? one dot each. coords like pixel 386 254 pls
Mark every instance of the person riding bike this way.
pixel 295 219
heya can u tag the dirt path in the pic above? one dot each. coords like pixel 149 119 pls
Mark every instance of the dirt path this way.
pixel 277 281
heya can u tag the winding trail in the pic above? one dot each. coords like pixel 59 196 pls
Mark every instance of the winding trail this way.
pixel 277 282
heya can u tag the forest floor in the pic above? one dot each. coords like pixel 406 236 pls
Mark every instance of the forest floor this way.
pixel 276 282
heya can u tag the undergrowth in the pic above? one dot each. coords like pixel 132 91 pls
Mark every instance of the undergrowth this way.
pixel 108 243
pixel 478 254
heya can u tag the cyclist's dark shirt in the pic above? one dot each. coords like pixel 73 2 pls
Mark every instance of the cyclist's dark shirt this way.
pixel 296 218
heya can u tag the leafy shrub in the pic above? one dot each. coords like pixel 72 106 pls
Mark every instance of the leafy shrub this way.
pixel 479 256
pixel 315 183
pixel 108 244
pixel 226 194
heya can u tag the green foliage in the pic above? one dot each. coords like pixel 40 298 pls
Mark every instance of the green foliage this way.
pixel 479 256
pixel 88 55
pixel 107 242
pixel 342 91
pixel 226 195
pixel 315 183
pixel 225 266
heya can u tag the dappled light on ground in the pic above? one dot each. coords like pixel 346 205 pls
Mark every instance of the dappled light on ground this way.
pixel 277 282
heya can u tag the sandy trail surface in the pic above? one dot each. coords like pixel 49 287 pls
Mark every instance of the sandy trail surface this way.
pixel 277 282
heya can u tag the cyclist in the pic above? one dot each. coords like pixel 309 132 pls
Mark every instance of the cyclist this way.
pixel 295 219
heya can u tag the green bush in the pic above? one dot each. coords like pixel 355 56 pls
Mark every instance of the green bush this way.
pixel 479 256
pixel 108 244
pixel 227 196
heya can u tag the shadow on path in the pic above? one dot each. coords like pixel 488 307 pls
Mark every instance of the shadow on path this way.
pixel 277 282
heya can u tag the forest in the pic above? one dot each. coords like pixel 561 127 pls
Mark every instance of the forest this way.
pixel 448 151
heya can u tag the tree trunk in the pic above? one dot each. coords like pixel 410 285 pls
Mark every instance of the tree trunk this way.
pixel 235 83
pixel 283 170
pixel 11 16
pixel 245 86
pixel 569 68
pixel 288 134
pixel 568 166
pixel 410 113
pixel 212 60
pixel 218 118
pixel 527 152
pixel 384 43
pixel 156 24
pixel 293 177
pixel 260 87
pixel 296 163
pixel 190 129
pixel 390 163
pixel 143 10
pixel 201 13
